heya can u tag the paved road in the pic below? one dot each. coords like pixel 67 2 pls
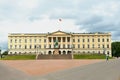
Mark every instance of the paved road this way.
pixel 99 71
pixel 8 73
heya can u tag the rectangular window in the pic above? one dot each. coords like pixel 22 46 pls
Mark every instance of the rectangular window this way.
pixel 98 40
pixel 78 40
pixel 88 46
pixel 39 40
pixel 49 45
pixel 35 40
pixel 93 46
pixel 107 40
pixel 73 45
pixel 83 46
pixel 78 45
pixel 102 40
pixel 73 40
pixel 15 40
pixel 25 46
pixel 44 40
pixel 98 45
pixel 68 46
pixel 44 46
pixel 10 46
pixel 39 46
pixel 108 46
pixel 19 40
pixel 30 40
pixel 92 40
pixel 83 40
pixel 15 46
pixel 103 46
pixel 11 41
pixel 63 45
pixel 25 40
pixel 88 40
pixel 68 39
pixel 19 46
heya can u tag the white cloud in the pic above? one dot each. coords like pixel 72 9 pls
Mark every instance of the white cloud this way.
pixel 42 16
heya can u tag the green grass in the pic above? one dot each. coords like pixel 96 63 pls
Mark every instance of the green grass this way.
pixel 89 56
pixel 19 57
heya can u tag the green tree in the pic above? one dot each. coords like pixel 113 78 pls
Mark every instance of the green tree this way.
pixel 5 53
pixel 116 49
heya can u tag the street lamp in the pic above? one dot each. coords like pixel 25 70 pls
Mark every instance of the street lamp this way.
pixel 0 53
pixel 72 51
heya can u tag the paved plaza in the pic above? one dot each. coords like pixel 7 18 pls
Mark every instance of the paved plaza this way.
pixel 60 70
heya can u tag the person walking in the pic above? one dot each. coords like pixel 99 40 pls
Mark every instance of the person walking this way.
pixel 107 56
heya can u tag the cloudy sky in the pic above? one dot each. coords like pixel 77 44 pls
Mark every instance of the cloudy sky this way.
pixel 37 16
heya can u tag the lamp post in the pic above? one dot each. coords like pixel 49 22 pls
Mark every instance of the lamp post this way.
pixel 0 53
pixel 72 51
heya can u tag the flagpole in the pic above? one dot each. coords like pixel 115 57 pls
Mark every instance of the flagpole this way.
pixel 60 21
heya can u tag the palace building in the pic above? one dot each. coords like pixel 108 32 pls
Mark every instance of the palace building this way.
pixel 68 42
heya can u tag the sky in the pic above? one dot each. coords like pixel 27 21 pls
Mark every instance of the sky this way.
pixel 42 16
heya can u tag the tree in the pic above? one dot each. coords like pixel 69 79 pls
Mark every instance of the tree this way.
pixel 116 49
pixel 5 53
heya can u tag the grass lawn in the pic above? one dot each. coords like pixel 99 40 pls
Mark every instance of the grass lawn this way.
pixel 19 57
pixel 90 56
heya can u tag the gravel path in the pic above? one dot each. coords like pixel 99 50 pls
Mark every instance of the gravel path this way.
pixel 102 70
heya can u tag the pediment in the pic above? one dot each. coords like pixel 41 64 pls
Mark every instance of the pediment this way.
pixel 59 33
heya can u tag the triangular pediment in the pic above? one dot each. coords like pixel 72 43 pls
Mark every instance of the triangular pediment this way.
pixel 59 33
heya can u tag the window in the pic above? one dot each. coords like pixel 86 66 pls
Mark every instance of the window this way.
pixel 68 39
pixel 25 40
pixel 49 45
pixel 88 46
pixel 30 47
pixel 39 46
pixel 98 45
pixel 68 46
pixel 19 40
pixel 93 46
pixel 83 46
pixel 103 40
pixel 73 40
pixel 78 40
pixel 107 40
pixel 73 45
pixel 25 46
pixel 35 46
pixel 15 46
pixel 78 45
pixel 92 40
pixel 44 40
pixel 88 40
pixel 15 40
pixel 19 46
pixel 11 41
pixel 10 46
pixel 30 40
pixel 39 40
pixel 108 46
pixel 35 40
pixel 63 45
pixel 103 46
pixel 98 40
pixel 44 46
pixel 83 40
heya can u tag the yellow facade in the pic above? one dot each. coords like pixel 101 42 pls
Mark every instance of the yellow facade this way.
pixel 68 43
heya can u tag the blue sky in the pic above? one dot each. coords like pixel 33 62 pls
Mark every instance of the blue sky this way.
pixel 37 16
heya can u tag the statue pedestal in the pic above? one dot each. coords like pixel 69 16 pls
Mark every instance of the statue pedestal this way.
pixel 56 51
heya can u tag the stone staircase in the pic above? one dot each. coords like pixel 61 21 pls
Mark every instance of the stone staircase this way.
pixel 63 56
